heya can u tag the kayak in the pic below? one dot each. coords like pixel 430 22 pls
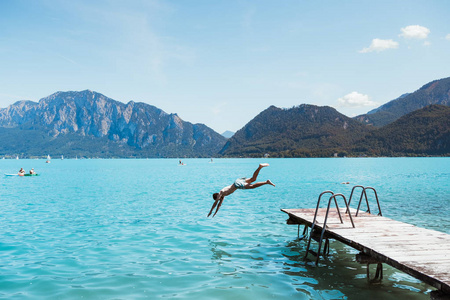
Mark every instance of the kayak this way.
pixel 22 175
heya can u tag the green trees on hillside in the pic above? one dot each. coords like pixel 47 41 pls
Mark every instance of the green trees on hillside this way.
pixel 311 131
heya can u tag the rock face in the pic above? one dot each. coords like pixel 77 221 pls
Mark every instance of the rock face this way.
pixel 145 128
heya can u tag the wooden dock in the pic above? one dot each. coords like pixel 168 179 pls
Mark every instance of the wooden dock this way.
pixel 421 253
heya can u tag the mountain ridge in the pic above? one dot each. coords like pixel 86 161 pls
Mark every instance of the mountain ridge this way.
pixel 313 131
pixel 434 92
pixel 422 132
pixel 299 131
pixel 143 127
pixel 91 123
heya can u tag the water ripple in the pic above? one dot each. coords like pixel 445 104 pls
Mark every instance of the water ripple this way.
pixel 139 234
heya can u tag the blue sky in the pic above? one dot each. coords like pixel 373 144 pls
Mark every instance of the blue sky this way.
pixel 222 62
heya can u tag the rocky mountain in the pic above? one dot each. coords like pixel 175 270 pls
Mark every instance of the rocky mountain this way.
pixel 435 92
pixel 305 130
pixel 423 132
pixel 90 124
pixel 227 134
pixel 100 126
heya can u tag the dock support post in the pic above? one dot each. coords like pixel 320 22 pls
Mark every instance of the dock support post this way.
pixel 303 234
pixel 378 273
pixel 363 258
pixel 326 247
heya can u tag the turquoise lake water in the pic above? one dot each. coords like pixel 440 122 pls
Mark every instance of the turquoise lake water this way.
pixel 134 229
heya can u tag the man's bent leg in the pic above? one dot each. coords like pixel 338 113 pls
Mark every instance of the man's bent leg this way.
pixel 256 173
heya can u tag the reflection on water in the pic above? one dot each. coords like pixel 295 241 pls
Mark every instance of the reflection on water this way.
pixel 340 271
pixel 217 252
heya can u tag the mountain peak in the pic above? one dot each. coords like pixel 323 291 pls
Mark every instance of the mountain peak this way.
pixel 227 134
pixel 294 130
pixel 140 127
pixel 434 92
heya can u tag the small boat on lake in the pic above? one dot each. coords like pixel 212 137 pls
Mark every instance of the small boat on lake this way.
pixel 22 175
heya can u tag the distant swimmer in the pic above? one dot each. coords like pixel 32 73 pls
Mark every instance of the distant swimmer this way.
pixel 240 183
pixel 345 182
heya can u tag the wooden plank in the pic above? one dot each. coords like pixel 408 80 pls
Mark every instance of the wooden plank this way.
pixel 418 248
pixel 396 239
pixel 408 249
pixel 419 259
pixel 411 250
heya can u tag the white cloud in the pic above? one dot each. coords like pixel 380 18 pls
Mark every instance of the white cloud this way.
pixel 355 99
pixel 447 37
pixel 415 32
pixel 379 45
pixel 426 43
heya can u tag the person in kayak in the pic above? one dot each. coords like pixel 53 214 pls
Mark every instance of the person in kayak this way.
pixel 21 172
pixel 240 183
pixel 32 171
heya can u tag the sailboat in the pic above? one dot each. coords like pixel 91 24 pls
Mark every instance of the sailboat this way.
pixel 48 159
pixel 62 157
pixel 17 157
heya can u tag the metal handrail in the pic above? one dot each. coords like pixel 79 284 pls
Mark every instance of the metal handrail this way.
pixel 362 192
pixel 365 195
pixel 347 206
pixel 325 221
pixel 332 197
pixel 314 220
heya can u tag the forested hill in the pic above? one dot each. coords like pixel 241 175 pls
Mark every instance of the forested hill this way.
pixel 90 124
pixel 311 131
pixel 435 92
pixel 305 130
pixel 422 132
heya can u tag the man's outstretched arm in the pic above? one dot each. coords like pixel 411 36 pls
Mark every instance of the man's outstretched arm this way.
pixel 214 205
pixel 220 204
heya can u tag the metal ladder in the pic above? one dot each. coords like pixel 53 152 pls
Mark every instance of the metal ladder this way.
pixel 363 193
pixel 332 197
